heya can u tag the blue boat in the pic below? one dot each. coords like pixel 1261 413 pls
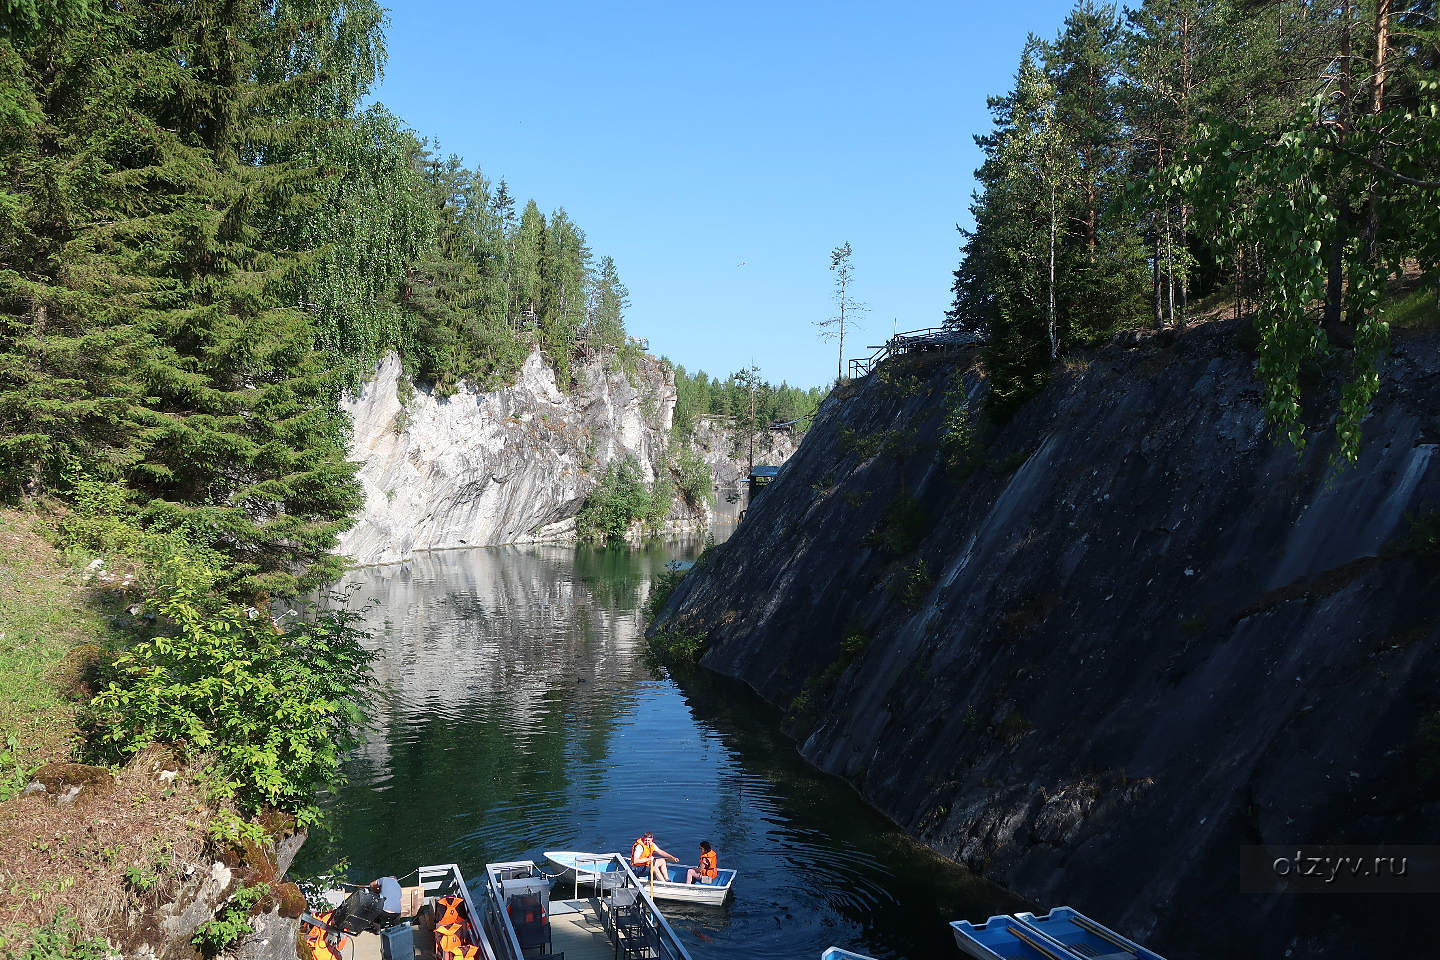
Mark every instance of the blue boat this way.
pixel 1084 937
pixel 835 953
pixel 1005 938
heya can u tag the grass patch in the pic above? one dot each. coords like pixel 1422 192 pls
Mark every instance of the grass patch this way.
pixel 1417 310
pixel 47 624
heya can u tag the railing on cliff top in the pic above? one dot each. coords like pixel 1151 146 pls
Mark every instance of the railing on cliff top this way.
pixel 929 339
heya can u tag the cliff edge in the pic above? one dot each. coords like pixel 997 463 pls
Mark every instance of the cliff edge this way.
pixel 1098 651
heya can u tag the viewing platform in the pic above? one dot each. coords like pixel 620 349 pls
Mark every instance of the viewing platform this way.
pixel 928 340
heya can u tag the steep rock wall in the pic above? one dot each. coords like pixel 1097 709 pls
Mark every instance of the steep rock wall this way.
pixel 502 466
pixel 1125 636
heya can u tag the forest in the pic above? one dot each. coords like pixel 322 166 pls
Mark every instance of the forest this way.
pixel 700 395
pixel 1273 158
pixel 205 236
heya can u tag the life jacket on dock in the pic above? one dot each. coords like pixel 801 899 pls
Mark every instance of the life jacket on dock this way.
pixel 709 864
pixel 321 948
pixel 454 937
pixel 641 852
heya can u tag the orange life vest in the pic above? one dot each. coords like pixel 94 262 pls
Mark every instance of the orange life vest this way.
pixel 452 915
pixel 646 851
pixel 320 948
pixel 709 864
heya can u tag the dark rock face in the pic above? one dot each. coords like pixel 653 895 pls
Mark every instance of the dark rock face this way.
pixel 1114 641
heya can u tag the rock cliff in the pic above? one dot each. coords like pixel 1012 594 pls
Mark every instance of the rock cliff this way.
pixel 503 466
pixel 1099 651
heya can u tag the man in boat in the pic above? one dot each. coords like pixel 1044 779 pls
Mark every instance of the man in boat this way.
pixel 709 865
pixel 647 854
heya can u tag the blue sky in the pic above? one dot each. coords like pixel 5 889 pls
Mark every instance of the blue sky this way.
pixel 719 151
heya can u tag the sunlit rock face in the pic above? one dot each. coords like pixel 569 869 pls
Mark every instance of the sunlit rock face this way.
pixel 1097 650
pixel 503 466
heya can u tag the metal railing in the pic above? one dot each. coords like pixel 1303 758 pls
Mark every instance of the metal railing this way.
pixel 651 936
pixel 914 341
pixel 446 880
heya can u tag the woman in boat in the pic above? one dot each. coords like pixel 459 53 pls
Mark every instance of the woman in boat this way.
pixel 646 853
pixel 709 865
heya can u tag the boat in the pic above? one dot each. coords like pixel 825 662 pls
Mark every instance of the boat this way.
pixel 1006 938
pixel 615 920
pixel 357 927
pixel 586 867
pixel 835 953
pixel 1081 935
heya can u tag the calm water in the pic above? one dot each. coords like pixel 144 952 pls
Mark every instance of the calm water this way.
pixel 518 717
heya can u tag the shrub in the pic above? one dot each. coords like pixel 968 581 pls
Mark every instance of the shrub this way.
pixel 660 590
pixel 694 478
pixel 675 648
pixel 914 584
pixel 269 711
pixel 959 445
pixel 621 498
pixel 231 923
pixel 62 939
pixel 105 523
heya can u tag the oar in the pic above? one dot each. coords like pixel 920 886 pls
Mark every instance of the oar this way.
pixel 1099 931
pixel 1038 947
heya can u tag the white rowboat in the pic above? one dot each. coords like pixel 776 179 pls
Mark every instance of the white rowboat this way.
pixel 592 867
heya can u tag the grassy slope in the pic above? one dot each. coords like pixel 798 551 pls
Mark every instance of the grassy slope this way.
pixel 44 615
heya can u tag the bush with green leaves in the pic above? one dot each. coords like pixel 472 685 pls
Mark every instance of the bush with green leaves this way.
pixel 622 498
pixel 268 711
pixel 61 939
pixel 231 922
pixel 105 523
pixel 694 478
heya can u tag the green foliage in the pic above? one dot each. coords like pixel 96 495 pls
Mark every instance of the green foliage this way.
pixel 914 583
pixel 698 395
pixel 621 499
pixel 204 238
pixel 226 928
pixel 675 648
pixel 62 939
pixel 822 685
pixel 693 477
pixel 902 527
pixel 269 711
pixel 661 588
pixel 14 773
pixel 959 440
pixel 105 524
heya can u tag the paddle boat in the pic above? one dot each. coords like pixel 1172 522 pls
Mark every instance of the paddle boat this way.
pixel 1006 938
pixel 587 867
pixel 1084 937
pixel 614 920
pixel 835 953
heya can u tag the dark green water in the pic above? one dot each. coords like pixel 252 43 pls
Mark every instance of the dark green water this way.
pixel 518 717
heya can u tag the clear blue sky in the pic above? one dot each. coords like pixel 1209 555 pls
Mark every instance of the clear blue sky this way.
pixel 719 151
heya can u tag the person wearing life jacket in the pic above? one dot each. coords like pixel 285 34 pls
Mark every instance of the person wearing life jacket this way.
pixel 646 857
pixel 709 867
pixel 320 946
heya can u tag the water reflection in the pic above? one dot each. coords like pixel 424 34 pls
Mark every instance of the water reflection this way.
pixel 518 717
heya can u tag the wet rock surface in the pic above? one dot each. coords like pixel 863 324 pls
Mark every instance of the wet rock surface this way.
pixel 1112 642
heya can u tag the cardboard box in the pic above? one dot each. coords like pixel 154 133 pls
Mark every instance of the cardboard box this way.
pixel 411 900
